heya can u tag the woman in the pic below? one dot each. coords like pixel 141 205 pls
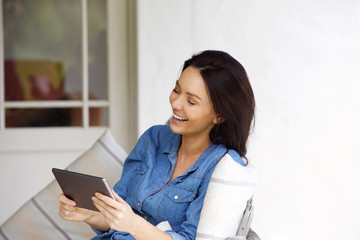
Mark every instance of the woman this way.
pixel 166 176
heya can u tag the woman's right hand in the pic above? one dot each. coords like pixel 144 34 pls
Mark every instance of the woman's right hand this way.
pixel 68 210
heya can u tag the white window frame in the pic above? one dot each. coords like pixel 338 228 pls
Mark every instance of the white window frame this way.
pixel 122 93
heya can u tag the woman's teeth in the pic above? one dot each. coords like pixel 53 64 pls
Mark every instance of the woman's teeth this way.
pixel 180 118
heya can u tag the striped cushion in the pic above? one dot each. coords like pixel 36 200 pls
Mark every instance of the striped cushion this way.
pixel 231 186
pixel 39 218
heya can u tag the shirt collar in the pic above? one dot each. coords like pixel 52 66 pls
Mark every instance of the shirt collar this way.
pixel 216 152
pixel 173 144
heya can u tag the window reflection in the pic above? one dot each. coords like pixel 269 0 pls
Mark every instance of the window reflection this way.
pixel 33 80
pixel 97 54
pixel 97 116
pixel 43 117
pixel 42 39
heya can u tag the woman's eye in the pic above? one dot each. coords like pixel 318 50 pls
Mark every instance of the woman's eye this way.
pixel 191 102
pixel 176 91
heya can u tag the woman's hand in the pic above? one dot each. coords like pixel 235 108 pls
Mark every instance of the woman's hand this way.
pixel 68 210
pixel 118 214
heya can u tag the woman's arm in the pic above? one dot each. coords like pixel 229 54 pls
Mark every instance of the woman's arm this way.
pixel 97 221
pixel 143 230
pixel 120 216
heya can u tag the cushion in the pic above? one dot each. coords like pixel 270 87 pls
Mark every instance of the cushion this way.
pixel 39 217
pixel 231 186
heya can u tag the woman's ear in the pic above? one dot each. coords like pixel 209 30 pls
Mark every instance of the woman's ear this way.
pixel 218 119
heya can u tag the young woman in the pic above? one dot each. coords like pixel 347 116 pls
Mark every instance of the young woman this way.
pixel 166 176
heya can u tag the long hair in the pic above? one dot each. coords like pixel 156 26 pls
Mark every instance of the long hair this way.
pixel 231 96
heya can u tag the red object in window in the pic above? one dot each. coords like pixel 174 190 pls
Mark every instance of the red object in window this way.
pixel 42 89
pixel 13 89
pixel 33 80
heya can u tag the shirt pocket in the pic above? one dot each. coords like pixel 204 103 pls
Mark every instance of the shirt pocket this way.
pixel 136 184
pixel 142 168
pixel 174 204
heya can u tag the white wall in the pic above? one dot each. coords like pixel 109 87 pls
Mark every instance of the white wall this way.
pixel 303 60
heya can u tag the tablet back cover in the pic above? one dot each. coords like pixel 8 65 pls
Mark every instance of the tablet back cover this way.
pixel 81 187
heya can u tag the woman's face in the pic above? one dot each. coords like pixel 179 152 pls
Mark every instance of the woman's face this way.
pixel 193 114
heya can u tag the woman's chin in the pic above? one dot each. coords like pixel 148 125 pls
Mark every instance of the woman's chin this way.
pixel 176 128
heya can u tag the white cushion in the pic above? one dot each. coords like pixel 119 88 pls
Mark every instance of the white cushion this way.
pixel 231 186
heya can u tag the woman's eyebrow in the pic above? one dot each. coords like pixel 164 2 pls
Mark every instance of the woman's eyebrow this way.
pixel 188 93
pixel 193 95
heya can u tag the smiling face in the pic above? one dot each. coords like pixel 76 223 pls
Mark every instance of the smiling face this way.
pixel 193 114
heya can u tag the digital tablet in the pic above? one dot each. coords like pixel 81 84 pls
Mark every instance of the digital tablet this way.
pixel 81 187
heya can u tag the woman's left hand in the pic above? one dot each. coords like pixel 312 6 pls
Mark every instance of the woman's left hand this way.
pixel 118 214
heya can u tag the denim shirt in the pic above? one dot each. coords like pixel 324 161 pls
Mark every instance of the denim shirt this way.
pixel 145 185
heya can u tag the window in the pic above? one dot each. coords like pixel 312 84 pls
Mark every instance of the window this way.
pixel 54 64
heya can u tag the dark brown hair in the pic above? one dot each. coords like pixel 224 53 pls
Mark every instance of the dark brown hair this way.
pixel 231 96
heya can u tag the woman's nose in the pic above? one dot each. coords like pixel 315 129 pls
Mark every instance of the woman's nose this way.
pixel 176 103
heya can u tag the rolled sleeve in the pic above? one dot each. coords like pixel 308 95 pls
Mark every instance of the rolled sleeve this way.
pixel 174 235
pixel 98 232
pixel 102 235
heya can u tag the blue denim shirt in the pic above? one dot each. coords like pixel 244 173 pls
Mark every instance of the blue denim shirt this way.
pixel 143 184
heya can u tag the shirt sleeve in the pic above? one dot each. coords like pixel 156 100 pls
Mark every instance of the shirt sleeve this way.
pixel 102 235
pixel 98 233
pixel 131 164
pixel 135 159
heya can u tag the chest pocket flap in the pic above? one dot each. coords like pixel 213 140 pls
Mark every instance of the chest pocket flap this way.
pixel 143 168
pixel 180 195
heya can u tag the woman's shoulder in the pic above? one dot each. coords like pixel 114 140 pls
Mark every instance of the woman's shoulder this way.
pixel 237 158
pixel 160 131
pixel 159 134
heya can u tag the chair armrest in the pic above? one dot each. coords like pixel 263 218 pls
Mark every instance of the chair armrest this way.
pixel 246 220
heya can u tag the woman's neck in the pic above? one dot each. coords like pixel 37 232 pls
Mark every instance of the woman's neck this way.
pixel 189 151
pixel 193 146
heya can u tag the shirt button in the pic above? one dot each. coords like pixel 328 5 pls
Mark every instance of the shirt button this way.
pixel 180 181
pixel 176 197
pixel 138 204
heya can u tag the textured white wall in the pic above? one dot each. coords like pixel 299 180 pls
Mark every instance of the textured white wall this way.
pixel 303 59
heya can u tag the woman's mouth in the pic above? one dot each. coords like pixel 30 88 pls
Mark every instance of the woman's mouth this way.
pixel 177 117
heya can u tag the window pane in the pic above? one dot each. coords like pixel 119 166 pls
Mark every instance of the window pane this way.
pixel 43 117
pixel 98 116
pixel 42 40
pixel 97 36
